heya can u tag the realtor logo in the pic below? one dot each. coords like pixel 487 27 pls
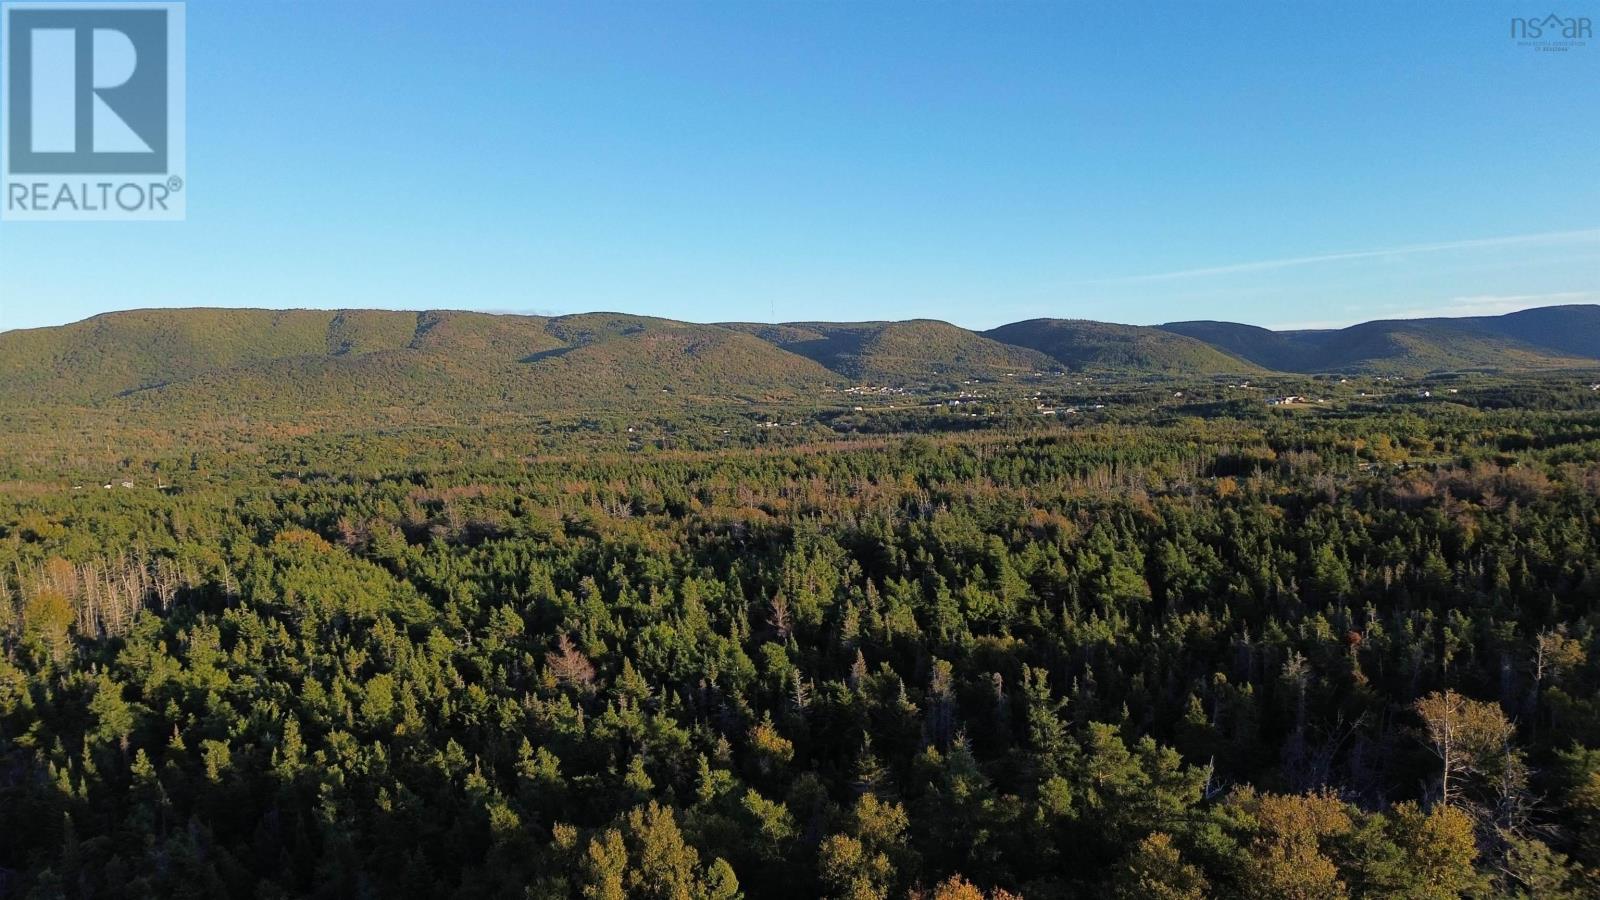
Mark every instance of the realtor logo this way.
pixel 92 111
pixel 1552 33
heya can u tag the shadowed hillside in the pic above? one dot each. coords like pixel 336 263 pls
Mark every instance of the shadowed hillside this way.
pixel 365 365
pixel 899 352
pixel 1083 345
pixel 1569 329
pixel 1277 350
pixel 1550 338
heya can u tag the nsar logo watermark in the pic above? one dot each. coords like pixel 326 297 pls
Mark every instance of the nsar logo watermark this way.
pixel 1552 33
pixel 92 111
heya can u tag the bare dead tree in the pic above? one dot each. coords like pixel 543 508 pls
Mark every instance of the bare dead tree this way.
pixel 106 593
pixel 1470 738
pixel 778 616
pixel 569 666
pixel 800 694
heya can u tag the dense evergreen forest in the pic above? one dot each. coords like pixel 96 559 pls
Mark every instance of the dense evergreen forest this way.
pixel 1209 651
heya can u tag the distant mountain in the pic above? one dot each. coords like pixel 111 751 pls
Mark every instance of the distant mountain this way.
pixel 1276 350
pixel 900 352
pixel 1082 345
pixel 1548 338
pixel 293 365
pixel 604 354
pixel 1573 330
pixel 127 351
pixel 285 361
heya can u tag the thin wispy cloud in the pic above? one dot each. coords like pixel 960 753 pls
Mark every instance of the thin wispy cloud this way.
pixel 1553 237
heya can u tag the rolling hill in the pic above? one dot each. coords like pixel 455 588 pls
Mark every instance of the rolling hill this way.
pixel 1571 329
pixel 1556 337
pixel 128 351
pixel 298 366
pixel 900 352
pixel 1276 350
pixel 1082 345
pixel 301 362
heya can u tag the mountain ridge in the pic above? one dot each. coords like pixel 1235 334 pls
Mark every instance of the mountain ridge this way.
pixel 1085 345
pixel 400 357
pixel 1539 338
pixel 909 350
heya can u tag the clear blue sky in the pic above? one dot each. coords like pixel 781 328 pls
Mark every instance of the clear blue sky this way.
pixel 980 162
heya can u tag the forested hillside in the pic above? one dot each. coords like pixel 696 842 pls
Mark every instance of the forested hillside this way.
pixel 901 352
pixel 1099 347
pixel 1199 648
pixel 281 366
pixel 268 362
pixel 1553 337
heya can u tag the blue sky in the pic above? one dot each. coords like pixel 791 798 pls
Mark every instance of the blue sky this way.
pixel 1272 163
